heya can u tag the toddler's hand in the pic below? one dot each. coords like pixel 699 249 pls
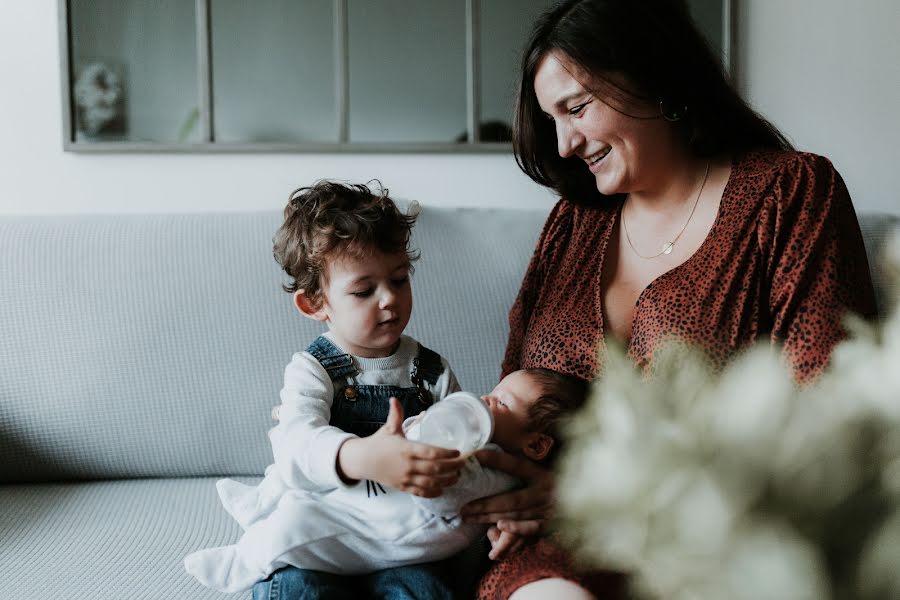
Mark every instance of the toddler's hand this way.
pixel 388 457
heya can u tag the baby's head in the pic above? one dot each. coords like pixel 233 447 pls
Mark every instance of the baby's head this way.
pixel 528 407
pixel 346 249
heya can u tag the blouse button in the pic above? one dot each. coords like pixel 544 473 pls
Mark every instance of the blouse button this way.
pixel 350 393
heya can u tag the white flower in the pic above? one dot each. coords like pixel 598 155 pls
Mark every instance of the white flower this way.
pixel 879 576
pixel 740 485
pixel 769 560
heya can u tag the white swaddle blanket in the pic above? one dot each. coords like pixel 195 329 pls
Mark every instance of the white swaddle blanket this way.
pixel 353 530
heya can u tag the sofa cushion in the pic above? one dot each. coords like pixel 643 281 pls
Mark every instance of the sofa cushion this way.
pixel 114 539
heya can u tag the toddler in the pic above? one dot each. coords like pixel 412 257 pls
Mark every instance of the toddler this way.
pixel 347 252
pixel 377 528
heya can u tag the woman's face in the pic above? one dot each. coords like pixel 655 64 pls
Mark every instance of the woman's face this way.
pixel 623 152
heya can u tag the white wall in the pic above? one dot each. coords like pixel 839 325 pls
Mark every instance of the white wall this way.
pixel 826 71
pixel 36 176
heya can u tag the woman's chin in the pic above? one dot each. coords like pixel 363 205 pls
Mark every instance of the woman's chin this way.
pixel 609 181
pixel 607 188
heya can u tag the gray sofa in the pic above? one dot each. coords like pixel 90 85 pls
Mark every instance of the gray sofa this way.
pixel 140 358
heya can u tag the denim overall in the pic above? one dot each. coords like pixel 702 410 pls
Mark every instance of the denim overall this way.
pixel 362 410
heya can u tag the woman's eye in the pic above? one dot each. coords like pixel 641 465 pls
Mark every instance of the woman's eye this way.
pixel 576 110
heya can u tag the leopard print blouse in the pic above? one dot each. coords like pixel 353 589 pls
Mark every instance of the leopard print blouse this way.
pixel 783 261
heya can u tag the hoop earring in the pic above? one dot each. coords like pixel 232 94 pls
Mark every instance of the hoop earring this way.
pixel 672 113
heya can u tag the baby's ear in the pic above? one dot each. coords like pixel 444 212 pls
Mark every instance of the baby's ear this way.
pixel 312 308
pixel 538 446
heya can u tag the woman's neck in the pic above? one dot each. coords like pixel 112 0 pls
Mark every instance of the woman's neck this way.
pixel 673 187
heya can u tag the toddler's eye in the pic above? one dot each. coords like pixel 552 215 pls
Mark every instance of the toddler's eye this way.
pixel 362 293
pixel 400 281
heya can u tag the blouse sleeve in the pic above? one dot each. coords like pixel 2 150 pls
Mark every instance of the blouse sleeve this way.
pixel 558 222
pixel 816 263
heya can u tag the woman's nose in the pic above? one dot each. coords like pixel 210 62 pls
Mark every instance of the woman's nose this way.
pixel 568 139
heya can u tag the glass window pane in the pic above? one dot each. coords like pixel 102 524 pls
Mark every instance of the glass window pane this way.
pixel 503 37
pixel 134 71
pixel 407 70
pixel 273 71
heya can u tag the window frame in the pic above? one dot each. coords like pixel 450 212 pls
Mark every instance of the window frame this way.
pixel 205 96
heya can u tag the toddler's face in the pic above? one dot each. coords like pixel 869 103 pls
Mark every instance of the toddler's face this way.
pixel 509 403
pixel 367 302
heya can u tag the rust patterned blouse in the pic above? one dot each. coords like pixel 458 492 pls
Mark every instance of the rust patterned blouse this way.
pixel 783 261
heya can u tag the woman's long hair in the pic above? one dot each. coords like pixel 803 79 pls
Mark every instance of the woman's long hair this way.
pixel 665 60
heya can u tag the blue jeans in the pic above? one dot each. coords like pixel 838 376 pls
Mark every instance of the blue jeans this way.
pixel 428 581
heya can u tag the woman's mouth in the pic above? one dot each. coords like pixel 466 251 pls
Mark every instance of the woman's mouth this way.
pixel 593 161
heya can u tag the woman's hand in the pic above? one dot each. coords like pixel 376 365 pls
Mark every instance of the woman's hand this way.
pixel 388 457
pixel 518 515
pixel 529 507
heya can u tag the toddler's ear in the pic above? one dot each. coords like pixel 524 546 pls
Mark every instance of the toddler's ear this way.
pixel 538 446
pixel 308 307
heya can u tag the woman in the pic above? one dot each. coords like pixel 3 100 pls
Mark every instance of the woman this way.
pixel 683 213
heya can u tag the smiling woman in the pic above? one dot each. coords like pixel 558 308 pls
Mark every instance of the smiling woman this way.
pixel 732 237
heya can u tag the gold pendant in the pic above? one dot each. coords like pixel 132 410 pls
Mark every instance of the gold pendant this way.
pixel 667 247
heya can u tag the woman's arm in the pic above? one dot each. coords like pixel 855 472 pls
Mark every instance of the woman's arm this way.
pixel 557 224
pixel 816 263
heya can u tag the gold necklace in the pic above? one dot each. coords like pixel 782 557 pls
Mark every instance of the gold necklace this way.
pixel 668 246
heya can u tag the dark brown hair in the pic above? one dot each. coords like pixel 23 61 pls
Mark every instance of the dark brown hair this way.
pixel 329 220
pixel 561 395
pixel 666 62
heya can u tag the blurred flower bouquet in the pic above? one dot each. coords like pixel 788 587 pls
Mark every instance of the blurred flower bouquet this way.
pixel 739 485
pixel 99 100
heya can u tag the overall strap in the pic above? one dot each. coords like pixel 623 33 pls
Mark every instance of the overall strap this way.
pixel 427 367
pixel 338 363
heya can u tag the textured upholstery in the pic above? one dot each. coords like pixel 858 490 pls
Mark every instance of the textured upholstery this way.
pixel 121 539
pixel 877 230
pixel 141 356
pixel 154 346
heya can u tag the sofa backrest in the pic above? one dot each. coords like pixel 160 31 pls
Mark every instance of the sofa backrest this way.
pixel 152 346
pixel 877 230
pixel 148 346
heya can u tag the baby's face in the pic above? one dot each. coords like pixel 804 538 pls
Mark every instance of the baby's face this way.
pixel 509 403
pixel 367 302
